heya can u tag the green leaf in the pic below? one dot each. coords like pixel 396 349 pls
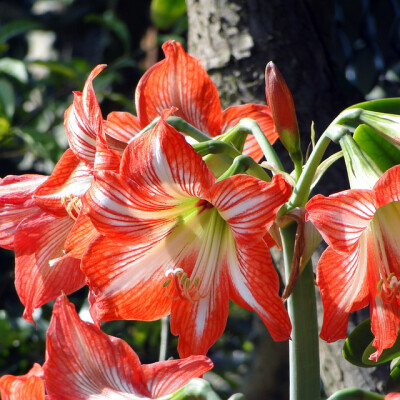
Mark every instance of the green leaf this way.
pixel 390 106
pixel 357 342
pixel 386 356
pixel 15 68
pixel 393 382
pixel 383 153
pixel 356 394
pixel 164 13
pixel 15 28
pixel 7 99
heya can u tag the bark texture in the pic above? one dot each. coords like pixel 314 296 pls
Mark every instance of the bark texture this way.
pixel 235 39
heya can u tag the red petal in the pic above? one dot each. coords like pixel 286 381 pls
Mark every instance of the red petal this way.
pixel 84 122
pixel 84 362
pixel 384 325
pixel 261 114
pixel 344 285
pixel 248 204
pixel 200 323
pixel 16 204
pixel 29 386
pixel 70 178
pixel 179 81
pixel 126 282
pixel 342 217
pixel 166 377
pixel 82 233
pixel 387 189
pixel 38 240
pixel 121 126
pixel 254 284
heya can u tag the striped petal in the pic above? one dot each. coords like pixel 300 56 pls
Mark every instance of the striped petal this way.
pixel 179 81
pixel 248 204
pixel 254 284
pixel 344 285
pixel 70 179
pixel 387 189
pixel 342 217
pixel 83 121
pixel 16 204
pixel 261 114
pixel 127 281
pixel 84 363
pixel 166 377
pixel 29 386
pixel 384 325
pixel 38 240
pixel 121 126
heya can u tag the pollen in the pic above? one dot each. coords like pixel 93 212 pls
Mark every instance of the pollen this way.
pixel 183 287
pixel 72 205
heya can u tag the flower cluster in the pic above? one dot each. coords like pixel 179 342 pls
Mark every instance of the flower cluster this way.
pixel 138 215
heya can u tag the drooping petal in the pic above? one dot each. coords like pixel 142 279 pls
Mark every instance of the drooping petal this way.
pixel 166 377
pixel 344 285
pixel 342 217
pixel 70 179
pixel 179 81
pixel 261 114
pixel 384 325
pixel 254 284
pixel 122 126
pixel 38 240
pixel 83 362
pixel 16 204
pixel 83 121
pixel 127 281
pixel 29 386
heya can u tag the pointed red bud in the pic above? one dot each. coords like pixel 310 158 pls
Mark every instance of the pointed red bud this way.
pixel 281 103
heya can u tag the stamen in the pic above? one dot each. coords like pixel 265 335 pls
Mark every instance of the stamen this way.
pixel 72 205
pixel 185 289
pixel 389 288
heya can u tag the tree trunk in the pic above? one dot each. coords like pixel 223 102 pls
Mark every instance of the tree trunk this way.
pixel 235 39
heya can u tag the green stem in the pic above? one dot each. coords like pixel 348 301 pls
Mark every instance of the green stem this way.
pixel 303 348
pixel 240 164
pixel 252 127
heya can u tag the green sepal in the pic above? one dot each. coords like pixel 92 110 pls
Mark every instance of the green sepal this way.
pixel 383 153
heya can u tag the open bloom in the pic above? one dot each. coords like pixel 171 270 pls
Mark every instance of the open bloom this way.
pixel 181 81
pixel 361 264
pixel 82 362
pixel 29 386
pixel 177 241
pixel 40 216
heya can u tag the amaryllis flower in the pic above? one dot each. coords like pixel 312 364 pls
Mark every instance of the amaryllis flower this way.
pixel 361 264
pixel 178 242
pixel 82 362
pixel 29 386
pixel 181 81
pixel 40 216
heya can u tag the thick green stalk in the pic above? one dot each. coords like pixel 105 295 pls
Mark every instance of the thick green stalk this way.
pixel 303 348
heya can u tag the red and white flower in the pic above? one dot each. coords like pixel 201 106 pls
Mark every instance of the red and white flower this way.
pixel 176 241
pixel 360 266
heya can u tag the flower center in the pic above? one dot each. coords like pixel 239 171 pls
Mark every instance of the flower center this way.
pixel 72 205
pixel 183 287
pixel 388 289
